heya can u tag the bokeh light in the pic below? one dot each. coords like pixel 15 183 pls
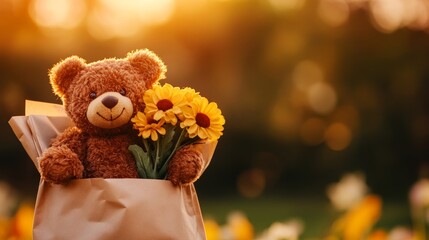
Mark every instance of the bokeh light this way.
pixel 416 14
pixel 338 136
pixel 57 13
pixel 387 14
pixel 251 183
pixel 322 98
pixel 306 74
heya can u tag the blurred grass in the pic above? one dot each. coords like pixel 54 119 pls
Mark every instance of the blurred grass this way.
pixel 315 212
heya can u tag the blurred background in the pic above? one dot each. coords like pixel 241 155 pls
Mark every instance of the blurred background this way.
pixel 313 91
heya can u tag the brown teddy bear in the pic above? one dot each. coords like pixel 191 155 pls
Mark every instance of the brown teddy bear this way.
pixel 101 98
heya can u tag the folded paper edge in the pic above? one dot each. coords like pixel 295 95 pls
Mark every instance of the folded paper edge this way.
pixel 22 131
pixel 44 108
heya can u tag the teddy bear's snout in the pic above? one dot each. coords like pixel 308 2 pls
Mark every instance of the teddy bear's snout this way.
pixel 110 110
pixel 110 101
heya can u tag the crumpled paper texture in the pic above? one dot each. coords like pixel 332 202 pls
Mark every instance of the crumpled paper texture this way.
pixel 98 208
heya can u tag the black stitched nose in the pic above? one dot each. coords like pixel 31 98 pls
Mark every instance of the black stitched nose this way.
pixel 109 101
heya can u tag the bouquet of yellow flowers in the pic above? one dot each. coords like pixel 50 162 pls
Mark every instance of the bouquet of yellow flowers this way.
pixel 173 118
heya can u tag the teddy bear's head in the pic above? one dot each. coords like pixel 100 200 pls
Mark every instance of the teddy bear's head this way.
pixel 101 97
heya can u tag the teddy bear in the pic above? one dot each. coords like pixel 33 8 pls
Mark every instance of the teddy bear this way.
pixel 101 98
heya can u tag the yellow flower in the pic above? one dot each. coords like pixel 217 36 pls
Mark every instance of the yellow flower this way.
pixel 23 222
pixel 212 229
pixel 5 227
pixel 190 94
pixel 378 235
pixel 164 102
pixel 362 217
pixel 239 226
pixel 203 119
pixel 147 126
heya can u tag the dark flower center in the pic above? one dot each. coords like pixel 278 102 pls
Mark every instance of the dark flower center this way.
pixel 202 120
pixel 164 104
pixel 151 120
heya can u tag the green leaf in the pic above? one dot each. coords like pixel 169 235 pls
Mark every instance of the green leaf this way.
pixel 163 171
pixel 168 139
pixel 144 168
pixel 166 144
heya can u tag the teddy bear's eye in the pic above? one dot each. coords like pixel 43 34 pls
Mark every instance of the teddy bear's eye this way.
pixel 93 95
pixel 122 92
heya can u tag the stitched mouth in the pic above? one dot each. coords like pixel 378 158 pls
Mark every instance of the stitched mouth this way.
pixel 111 116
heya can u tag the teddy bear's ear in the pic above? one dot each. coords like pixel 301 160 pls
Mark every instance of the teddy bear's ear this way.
pixel 63 73
pixel 148 64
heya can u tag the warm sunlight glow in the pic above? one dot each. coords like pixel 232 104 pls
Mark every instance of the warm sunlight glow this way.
pixel 333 12
pixel 111 18
pixel 103 24
pixel 287 4
pixel 57 13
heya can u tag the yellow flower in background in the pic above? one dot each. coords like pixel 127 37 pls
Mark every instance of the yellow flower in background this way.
pixel 212 229
pixel 147 126
pixel 4 228
pixel 22 227
pixel 203 119
pixel 378 235
pixel 238 227
pixel 361 218
pixel 164 102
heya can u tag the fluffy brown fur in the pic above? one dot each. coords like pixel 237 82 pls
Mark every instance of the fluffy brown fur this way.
pixel 99 147
pixel 185 166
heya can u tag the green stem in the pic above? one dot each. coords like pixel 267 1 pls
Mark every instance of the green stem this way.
pixel 178 143
pixel 176 147
pixel 157 156
pixel 146 145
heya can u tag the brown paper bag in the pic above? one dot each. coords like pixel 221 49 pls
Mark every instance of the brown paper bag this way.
pixel 105 208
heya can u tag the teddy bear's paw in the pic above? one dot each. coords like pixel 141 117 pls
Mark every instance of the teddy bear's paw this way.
pixel 185 166
pixel 60 165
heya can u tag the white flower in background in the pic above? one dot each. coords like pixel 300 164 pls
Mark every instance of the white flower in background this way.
pixel 289 230
pixel 349 191
pixel 238 227
pixel 419 194
pixel 400 233
pixel 7 199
